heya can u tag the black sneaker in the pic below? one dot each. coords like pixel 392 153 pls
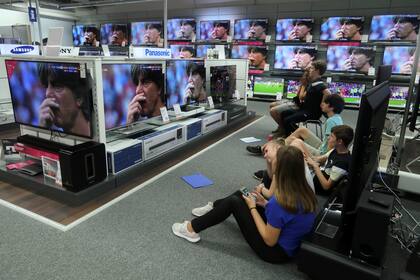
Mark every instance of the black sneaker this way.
pixel 259 175
pixel 256 150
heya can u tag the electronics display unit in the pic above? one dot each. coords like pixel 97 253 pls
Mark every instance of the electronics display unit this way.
pixel 401 58
pixel 256 55
pixel 115 34
pixel 350 59
pixel 394 28
pixel 250 29
pixel 182 51
pixel 294 29
pixel 51 95
pixel 399 95
pixel 85 35
pixel 201 50
pixel 268 86
pixel 214 30
pixel 185 82
pixel 351 92
pixel 181 29
pixel 131 92
pixel 292 88
pixel 222 83
pixel 294 57
pixel 146 33
pixel 342 29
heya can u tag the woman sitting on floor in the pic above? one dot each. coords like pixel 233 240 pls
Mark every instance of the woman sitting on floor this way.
pixel 273 226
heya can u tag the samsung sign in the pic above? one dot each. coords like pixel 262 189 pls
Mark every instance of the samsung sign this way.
pixel 151 53
pixel 10 49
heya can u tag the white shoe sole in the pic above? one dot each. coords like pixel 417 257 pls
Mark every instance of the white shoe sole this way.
pixel 193 240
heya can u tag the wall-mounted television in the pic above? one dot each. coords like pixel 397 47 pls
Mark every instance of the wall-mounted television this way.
pixel 257 55
pixel 342 29
pixel 294 57
pixel 294 29
pixel 268 86
pixel 292 88
pixel 183 29
pixel 85 35
pixel 147 33
pixel 201 50
pixel 185 82
pixel 394 28
pixel 401 58
pixel 56 96
pixel 399 95
pixel 214 30
pixel 182 51
pixel 114 34
pixel 222 83
pixel 251 29
pixel 350 58
pixel 351 92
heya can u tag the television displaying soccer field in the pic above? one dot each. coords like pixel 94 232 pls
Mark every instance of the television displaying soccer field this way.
pixel 268 86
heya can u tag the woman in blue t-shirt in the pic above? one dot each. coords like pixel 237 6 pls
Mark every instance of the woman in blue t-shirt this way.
pixel 273 226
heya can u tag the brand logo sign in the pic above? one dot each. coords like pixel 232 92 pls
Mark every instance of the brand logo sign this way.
pixel 10 49
pixel 66 51
pixel 22 50
pixel 151 53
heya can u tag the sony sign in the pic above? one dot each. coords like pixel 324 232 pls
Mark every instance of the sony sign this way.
pixel 66 51
pixel 12 49
pixel 151 53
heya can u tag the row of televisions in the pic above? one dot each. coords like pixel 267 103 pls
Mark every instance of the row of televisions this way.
pixel 349 28
pixel 350 91
pixel 57 96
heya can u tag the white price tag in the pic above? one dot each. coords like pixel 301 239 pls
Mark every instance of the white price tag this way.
pixel 106 50
pixel 267 67
pixel 229 39
pixel 268 38
pixel 82 71
pixel 249 93
pixel 329 80
pixel 237 96
pixel 416 80
pixel 309 38
pixel 371 71
pixel 177 110
pixel 211 103
pixel 164 114
pixel 279 96
pixel 364 38
pixel 374 83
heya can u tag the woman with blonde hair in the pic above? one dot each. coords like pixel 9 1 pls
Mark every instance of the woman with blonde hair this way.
pixel 272 226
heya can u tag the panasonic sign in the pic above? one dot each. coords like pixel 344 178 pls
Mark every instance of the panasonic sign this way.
pixel 151 53
pixel 11 49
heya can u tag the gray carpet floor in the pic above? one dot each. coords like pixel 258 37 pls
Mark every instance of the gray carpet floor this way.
pixel 132 239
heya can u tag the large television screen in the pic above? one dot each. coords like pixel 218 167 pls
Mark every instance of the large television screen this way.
pixel 294 29
pixel 85 35
pixel 342 29
pixel 399 95
pixel 181 29
pixel 211 30
pixel 182 51
pixel 131 93
pixel 55 96
pixel 292 88
pixel 201 50
pixel 401 58
pixel 147 33
pixel 257 56
pixel 222 83
pixel 185 82
pixel 268 86
pixel 351 92
pixel 251 29
pixel 114 34
pixel 394 28
pixel 349 58
pixel 294 57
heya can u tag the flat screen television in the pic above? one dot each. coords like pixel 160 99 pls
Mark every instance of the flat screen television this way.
pixel 399 95
pixel 185 82
pixel 351 92
pixel 183 29
pixel 214 30
pixel 350 59
pixel 147 33
pixel 401 58
pixel 342 29
pixel 251 29
pixel 55 96
pixel 268 86
pixel 257 56
pixel 115 34
pixel 85 35
pixel 292 88
pixel 394 28
pixel 201 50
pixel 182 51
pixel 131 93
pixel 222 83
pixel 294 29
pixel 294 57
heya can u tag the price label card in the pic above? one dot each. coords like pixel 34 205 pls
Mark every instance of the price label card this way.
pixel 371 71
pixel 82 71
pixel 364 38
pixel 279 96
pixel 164 114
pixel 374 83
pixel 106 50
pixel 308 38
pixel 329 80
pixel 211 103
pixel 229 39
pixel 177 110
pixel 237 96
pixel 268 38
pixel 267 67
pixel 416 80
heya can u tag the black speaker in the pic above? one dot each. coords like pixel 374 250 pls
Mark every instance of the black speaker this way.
pixel 413 264
pixel 370 233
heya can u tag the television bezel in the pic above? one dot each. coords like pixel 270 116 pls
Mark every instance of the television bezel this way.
pixel 215 40
pixel 294 45
pixel 294 41
pixel 148 21
pixel 250 19
pixel 115 23
pixel 396 46
pixel 354 83
pixel 183 40
pixel 84 26
pixel 268 78
pixel 387 40
pixel 325 19
pixel 350 71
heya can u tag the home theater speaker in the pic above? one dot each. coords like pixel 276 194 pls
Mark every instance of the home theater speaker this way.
pixel 370 233
pixel 81 165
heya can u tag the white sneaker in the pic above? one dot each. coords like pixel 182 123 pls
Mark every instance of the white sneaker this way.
pixel 200 211
pixel 181 230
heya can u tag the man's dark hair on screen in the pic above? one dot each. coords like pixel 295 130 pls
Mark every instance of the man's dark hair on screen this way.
pixel 195 68
pixel 411 19
pixel 154 25
pixel 142 75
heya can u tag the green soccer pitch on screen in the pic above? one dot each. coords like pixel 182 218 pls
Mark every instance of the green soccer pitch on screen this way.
pixel 268 86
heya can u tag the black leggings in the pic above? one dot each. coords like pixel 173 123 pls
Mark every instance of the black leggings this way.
pixel 236 205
